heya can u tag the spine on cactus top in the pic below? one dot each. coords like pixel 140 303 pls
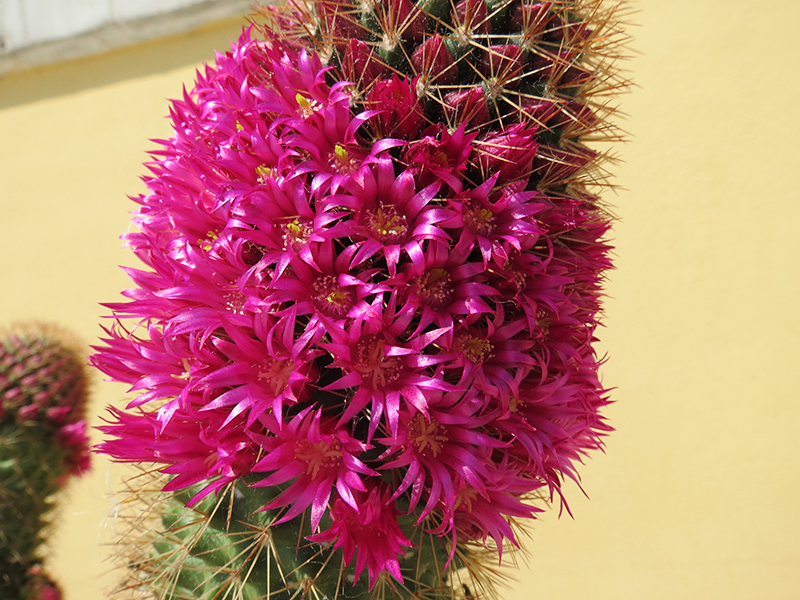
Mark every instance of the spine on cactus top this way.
pixel 373 255
pixel 43 442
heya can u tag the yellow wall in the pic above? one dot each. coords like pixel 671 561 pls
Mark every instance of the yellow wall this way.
pixel 697 495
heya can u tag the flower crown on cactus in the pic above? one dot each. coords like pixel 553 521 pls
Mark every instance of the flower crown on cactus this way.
pixel 373 269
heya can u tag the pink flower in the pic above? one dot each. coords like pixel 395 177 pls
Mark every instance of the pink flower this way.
pixel 434 61
pixel 318 457
pixel 435 448
pixel 373 531
pixel 468 106
pixel 389 215
pixel 400 113
pixel 509 155
pixel 440 156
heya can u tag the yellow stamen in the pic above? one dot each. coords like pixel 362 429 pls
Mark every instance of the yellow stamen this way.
pixel 303 101
pixel 426 436
pixel 263 172
pixel 208 242
pixel 319 455
pixel 474 349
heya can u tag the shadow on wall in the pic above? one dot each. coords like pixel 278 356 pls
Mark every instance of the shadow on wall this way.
pixel 149 58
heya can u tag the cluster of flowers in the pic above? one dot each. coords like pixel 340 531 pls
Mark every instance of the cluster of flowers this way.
pixel 350 316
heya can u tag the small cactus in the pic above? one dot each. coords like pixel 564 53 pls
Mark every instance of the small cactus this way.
pixel 43 442
pixel 365 333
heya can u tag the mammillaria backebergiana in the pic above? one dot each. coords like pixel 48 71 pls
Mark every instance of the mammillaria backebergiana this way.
pixel 373 259
pixel 43 444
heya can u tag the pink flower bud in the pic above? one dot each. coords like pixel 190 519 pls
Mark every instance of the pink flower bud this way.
pixel 406 20
pixel 573 115
pixel 361 65
pixel 467 106
pixel 508 154
pixel 554 31
pixel 434 62
pixel 550 67
pixel 28 412
pixel 504 62
pixel 57 414
pixel 557 164
pixel 439 154
pixel 340 19
pixel 401 114
pixel 13 396
pixel 73 435
pixel 531 18
pixel 537 110
pixel 472 17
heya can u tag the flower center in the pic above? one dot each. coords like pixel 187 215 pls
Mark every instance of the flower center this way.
pixel 543 319
pixel 387 225
pixel 207 242
pixel 263 173
pixel 332 299
pixel 274 373
pixel 322 455
pixel 295 235
pixel 234 301
pixel 427 437
pixel 433 287
pixel 478 219
pixel 373 365
pixel 308 107
pixel 439 158
pixel 515 277
pixel 473 348
pixel 514 404
pixel 340 160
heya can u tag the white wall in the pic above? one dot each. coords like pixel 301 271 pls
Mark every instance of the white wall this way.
pixel 37 32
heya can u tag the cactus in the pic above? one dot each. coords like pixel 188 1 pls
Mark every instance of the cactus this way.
pixel 227 545
pixel 374 254
pixel 43 392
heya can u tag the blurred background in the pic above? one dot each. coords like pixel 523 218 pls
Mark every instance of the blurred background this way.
pixel 698 491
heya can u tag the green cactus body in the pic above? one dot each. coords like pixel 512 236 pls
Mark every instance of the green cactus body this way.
pixel 228 546
pixel 31 473
pixel 43 388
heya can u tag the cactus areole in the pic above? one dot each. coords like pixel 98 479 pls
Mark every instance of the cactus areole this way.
pixel 373 255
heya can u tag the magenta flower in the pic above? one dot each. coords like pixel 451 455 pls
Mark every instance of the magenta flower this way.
pixel 373 529
pixel 400 115
pixel 317 457
pixel 509 155
pixel 377 313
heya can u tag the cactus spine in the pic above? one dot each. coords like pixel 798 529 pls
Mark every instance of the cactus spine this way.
pixel 43 391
